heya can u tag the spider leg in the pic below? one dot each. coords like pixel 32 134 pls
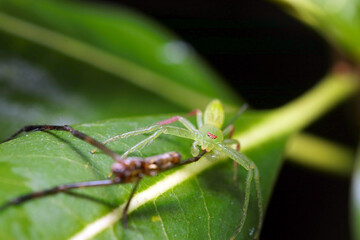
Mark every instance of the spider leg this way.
pixel 56 190
pixel 231 142
pixel 199 118
pixel 182 120
pixel 130 134
pixel 246 202
pixel 144 142
pixel 192 159
pixel 250 167
pixel 170 130
pixel 125 221
pixel 180 132
pixel 230 129
pixel 239 112
pixel 260 202
pixel 75 133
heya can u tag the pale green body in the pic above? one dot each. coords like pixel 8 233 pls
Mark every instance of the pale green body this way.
pixel 209 137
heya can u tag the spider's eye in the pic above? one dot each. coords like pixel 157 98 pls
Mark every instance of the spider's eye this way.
pixel 212 136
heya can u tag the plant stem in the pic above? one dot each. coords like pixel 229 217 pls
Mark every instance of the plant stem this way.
pixel 296 115
pixel 321 154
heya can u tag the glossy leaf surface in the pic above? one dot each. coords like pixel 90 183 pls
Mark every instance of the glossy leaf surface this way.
pixel 195 208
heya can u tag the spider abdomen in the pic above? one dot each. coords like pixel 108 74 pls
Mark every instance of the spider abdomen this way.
pixel 134 168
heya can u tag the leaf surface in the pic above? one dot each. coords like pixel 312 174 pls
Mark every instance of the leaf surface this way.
pixel 204 205
pixel 337 21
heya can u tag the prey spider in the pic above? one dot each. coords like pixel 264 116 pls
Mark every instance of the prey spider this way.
pixel 210 139
pixel 128 170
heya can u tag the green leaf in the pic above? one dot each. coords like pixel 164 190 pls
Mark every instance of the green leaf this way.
pixel 67 62
pixel 338 21
pixel 194 208
pixel 320 154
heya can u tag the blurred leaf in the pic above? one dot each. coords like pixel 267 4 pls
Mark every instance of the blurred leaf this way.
pixel 66 62
pixel 318 153
pixel 193 209
pixel 355 199
pixel 338 21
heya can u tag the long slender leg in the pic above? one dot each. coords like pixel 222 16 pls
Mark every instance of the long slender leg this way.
pixel 143 143
pixel 130 134
pixel 125 222
pixel 239 112
pixel 57 189
pixel 260 201
pixel 75 133
pixel 249 166
pixel 176 131
pixel 230 130
pixel 182 120
pixel 193 159
pixel 199 118
pixel 184 162
pixel 246 202
pixel 231 142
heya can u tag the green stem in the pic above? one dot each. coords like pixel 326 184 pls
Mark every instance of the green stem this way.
pixel 296 115
pixel 316 153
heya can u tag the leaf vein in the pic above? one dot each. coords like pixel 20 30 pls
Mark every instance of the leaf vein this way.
pixel 183 212
pixel 205 205
pixel 161 221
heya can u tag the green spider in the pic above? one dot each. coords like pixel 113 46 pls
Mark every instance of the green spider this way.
pixel 209 137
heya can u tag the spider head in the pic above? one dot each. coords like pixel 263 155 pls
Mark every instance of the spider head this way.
pixel 210 135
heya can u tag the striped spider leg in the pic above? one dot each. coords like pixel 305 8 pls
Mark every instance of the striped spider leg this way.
pixel 127 170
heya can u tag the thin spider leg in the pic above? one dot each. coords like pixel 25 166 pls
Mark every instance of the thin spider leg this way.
pixel 134 133
pixel 75 133
pixel 130 134
pixel 125 221
pixel 231 129
pixel 199 117
pixel 143 143
pixel 231 142
pixel 182 120
pixel 234 155
pixel 246 202
pixel 260 201
pixel 192 159
pixel 57 189
pixel 249 166
pixel 239 112
pixel 140 145
pixel 171 130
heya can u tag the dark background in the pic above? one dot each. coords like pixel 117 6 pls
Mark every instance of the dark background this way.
pixel 269 58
